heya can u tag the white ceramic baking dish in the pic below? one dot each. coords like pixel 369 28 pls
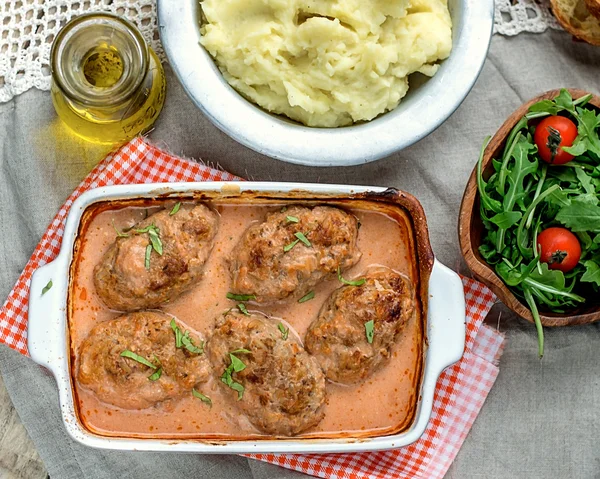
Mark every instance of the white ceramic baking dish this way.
pixel 48 336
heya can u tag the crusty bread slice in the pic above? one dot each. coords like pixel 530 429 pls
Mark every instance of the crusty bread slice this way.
pixel 593 7
pixel 576 19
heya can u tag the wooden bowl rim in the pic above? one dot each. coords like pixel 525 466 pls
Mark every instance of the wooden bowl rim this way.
pixel 480 269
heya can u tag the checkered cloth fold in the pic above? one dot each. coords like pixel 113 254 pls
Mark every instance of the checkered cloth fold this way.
pixel 460 392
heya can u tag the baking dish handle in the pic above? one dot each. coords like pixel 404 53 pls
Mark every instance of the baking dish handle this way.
pixel 46 328
pixel 446 318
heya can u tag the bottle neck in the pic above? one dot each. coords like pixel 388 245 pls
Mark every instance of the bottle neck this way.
pixel 99 60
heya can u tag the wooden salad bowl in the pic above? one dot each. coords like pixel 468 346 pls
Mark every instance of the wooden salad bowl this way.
pixel 471 229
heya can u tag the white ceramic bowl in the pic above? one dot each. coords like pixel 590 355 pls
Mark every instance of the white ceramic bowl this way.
pixel 426 106
pixel 49 347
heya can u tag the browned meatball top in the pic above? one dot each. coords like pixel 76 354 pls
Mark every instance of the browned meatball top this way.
pixel 125 382
pixel 338 337
pixel 261 266
pixel 126 281
pixel 283 387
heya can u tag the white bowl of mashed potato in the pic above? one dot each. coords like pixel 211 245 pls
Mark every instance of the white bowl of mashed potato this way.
pixel 327 82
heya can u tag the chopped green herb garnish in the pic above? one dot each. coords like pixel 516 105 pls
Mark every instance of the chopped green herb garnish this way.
pixel 155 241
pixel 241 297
pixel 307 297
pixel 236 366
pixel 284 209
pixel 358 282
pixel 47 288
pixel 241 350
pixel 184 340
pixel 237 363
pixel 202 397
pixel 288 247
pixel 284 331
pixel 302 238
pixel 175 208
pixel 147 258
pixel 292 219
pixel 242 308
pixel 120 234
pixel 154 234
pixel 188 344
pixel 178 334
pixel 156 376
pixel 239 388
pixel 138 358
pixel 370 331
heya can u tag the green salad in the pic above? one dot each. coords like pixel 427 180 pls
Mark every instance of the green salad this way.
pixel 541 207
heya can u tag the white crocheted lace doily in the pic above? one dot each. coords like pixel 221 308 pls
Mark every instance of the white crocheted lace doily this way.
pixel 27 28
pixel 516 16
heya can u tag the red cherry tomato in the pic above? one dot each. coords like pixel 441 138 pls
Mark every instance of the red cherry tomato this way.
pixel 559 248
pixel 551 134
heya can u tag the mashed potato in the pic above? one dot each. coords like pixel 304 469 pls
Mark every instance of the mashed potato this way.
pixel 326 62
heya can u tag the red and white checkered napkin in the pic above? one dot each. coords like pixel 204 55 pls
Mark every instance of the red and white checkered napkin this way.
pixel 461 389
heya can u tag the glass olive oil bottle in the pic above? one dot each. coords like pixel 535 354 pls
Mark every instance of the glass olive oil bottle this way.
pixel 107 84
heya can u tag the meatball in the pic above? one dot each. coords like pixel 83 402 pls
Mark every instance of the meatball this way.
pixel 283 387
pixel 127 383
pixel 272 263
pixel 338 337
pixel 132 276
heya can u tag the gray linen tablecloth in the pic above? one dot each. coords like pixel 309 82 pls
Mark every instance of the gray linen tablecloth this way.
pixel 541 418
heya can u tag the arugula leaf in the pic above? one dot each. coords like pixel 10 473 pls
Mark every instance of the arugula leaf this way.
pixel 487 202
pixel 202 397
pixel 507 219
pixel 580 216
pixel 592 273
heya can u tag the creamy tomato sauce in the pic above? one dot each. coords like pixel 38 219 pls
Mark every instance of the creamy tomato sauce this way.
pixel 383 404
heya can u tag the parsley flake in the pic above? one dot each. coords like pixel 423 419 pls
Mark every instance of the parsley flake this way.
pixel 303 238
pixel 241 297
pixel 242 308
pixel 292 219
pixel 47 288
pixel 147 257
pixel 138 358
pixel 370 331
pixel 358 282
pixel 156 376
pixel 307 297
pixel 120 234
pixel 202 397
pixel 288 247
pixel 175 208
pixel 284 331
